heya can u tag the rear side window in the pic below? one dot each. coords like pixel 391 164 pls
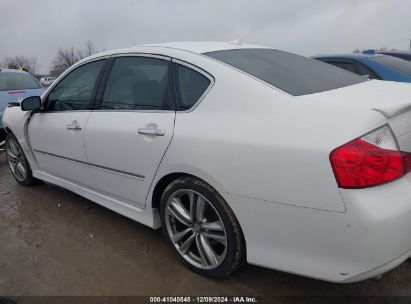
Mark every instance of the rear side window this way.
pixel 17 81
pixel 294 74
pixel 395 63
pixel 138 83
pixel 191 86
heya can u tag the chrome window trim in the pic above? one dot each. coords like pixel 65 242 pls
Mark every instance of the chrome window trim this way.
pixel 139 54
pixel 202 72
pixel 138 111
pixel 68 111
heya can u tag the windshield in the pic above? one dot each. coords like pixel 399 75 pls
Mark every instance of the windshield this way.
pixel 17 81
pixel 395 63
pixel 294 74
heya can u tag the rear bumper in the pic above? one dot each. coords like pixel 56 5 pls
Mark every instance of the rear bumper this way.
pixel 371 237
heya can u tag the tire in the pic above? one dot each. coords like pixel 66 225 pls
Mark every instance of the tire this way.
pixel 17 161
pixel 3 135
pixel 209 243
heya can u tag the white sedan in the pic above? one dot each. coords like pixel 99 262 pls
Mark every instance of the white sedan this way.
pixel 239 152
pixel 46 81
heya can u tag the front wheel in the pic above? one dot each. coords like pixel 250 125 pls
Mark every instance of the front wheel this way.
pixel 17 161
pixel 201 228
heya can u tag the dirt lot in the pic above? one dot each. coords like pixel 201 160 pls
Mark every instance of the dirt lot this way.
pixel 53 242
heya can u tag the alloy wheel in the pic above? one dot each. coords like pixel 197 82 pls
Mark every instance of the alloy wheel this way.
pixel 196 229
pixel 16 160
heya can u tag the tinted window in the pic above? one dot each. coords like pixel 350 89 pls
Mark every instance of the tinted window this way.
pixel 75 90
pixel 365 71
pixel 137 83
pixel 291 73
pixel 395 63
pixel 17 81
pixel 344 65
pixel 191 86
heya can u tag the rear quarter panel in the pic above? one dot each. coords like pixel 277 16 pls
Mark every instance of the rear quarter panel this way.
pixel 246 139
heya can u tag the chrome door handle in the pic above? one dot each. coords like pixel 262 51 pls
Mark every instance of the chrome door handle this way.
pixel 73 127
pixel 155 132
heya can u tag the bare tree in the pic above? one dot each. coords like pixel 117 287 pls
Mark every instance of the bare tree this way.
pixel 23 63
pixel 90 49
pixel 67 57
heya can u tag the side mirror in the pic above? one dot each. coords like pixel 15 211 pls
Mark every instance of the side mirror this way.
pixel 31 103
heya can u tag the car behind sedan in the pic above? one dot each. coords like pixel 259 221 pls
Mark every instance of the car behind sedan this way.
pixel 239 153
pixel 372 66
pixel 15 84
pixel 46 81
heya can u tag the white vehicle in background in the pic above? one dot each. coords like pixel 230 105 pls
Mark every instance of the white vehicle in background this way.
pixel 239 152
pixel 47 81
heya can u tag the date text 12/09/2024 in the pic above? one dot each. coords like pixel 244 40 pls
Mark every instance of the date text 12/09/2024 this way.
pixel 202 299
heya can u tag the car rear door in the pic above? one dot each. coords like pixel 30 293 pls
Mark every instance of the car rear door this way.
pixel 131 127
pixel 57 133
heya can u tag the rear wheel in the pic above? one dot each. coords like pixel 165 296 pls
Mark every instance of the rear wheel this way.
pixel 18 164
pixel 201 228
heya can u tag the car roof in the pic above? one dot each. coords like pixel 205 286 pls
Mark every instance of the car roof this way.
pixel 197 47
pixel 200 47
pixel 12 71
pixel 349 56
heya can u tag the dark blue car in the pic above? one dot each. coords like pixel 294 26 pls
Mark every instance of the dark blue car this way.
pixel 372 66
pixel 402 55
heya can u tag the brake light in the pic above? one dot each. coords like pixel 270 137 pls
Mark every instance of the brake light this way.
pixel 371 160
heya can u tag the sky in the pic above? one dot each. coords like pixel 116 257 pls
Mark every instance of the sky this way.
pixel 38 28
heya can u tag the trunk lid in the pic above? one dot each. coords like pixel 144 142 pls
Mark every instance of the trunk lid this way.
pixel 391 99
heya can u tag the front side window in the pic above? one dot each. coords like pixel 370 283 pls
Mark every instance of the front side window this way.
pixel 191 86
pixel 294 74
pixel 74 92
pixel 18 81
pixel 138 83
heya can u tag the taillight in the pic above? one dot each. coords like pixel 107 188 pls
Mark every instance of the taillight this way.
pixel 371 160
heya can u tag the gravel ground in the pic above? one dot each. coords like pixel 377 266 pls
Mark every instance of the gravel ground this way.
pixel 54 242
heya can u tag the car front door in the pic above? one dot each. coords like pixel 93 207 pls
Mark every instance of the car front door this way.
pixel 57 134
pixel 132 126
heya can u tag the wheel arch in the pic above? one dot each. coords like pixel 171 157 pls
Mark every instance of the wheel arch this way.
pixel 163 179
pixel 161 185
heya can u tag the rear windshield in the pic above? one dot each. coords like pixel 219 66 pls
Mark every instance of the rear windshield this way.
pixel 294 74
pixel 395 63
pixel 17 81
